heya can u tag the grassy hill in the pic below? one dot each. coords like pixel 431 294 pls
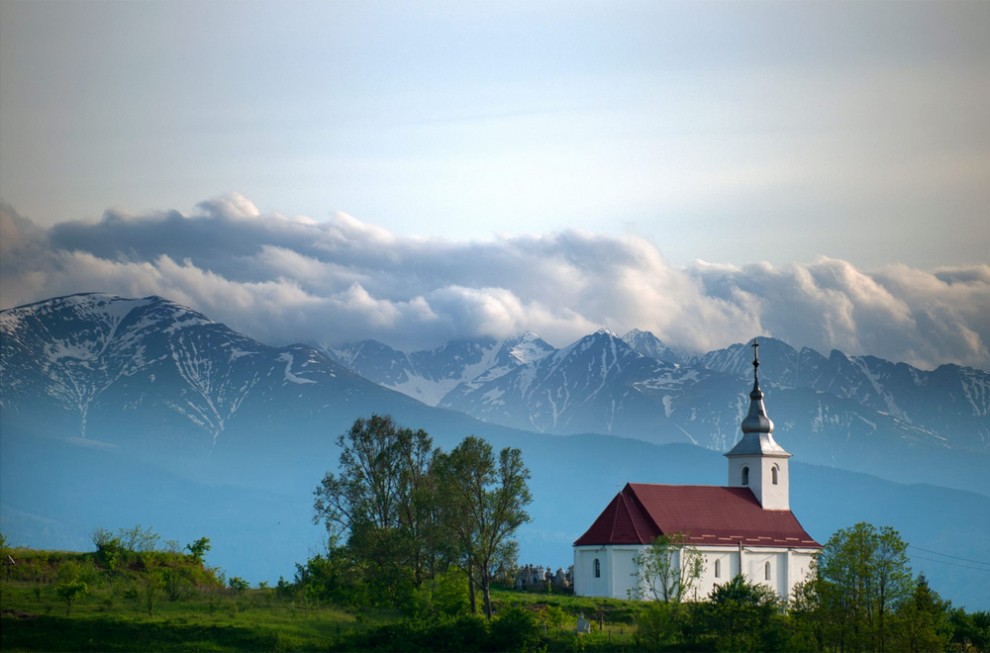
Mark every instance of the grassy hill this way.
pixel 170 601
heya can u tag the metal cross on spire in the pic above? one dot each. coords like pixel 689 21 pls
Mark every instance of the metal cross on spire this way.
pixel 756 357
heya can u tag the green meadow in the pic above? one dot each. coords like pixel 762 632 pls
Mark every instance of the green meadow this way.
pixel 161 601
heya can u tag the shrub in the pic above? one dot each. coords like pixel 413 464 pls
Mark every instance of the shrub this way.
pixel 515 629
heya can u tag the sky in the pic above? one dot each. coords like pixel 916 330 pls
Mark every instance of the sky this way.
pixel 413 172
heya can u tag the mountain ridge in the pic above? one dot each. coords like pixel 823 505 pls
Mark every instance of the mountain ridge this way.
pixel 153 453
pixel 942 415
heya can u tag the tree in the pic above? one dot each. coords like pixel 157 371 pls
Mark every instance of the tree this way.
pixel 923 620
pixel 808 627
pixel 669 568
pixel 484 502
pixel 379 502
pixel 108 550
pixel 69 591
pixel 970 632
pixel 198 548
pixel 744 616
pixel 863 577
pixel 660 626
pixel 151 582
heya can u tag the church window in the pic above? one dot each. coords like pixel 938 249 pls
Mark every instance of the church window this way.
pixel 745 475
pixel 773 474
pixel 598 568
pixel 718 569
pixel 766 570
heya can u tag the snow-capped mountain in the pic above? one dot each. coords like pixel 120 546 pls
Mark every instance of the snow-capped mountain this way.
pixel 646 343
pixel 84 366
pixel 429 375
pixel 950 402
pixel 598 384
pixel 115 412
pixel 858 412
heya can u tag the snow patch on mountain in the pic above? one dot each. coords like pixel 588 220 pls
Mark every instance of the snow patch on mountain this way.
pixel 289 375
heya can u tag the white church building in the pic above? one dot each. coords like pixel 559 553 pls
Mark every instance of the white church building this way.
pixel 745 528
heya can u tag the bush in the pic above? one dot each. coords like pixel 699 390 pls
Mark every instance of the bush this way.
pixel 238 584
pixel 515 629
pixel 445 595
pixel 657 627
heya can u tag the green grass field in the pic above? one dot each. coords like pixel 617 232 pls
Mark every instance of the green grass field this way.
pixel 34 618
pixel 120 612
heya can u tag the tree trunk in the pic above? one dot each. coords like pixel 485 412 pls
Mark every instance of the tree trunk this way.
pixel 486 593
pixel 474 604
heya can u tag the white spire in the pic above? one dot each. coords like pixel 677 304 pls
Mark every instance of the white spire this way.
pixel 757 427
pixel 757 461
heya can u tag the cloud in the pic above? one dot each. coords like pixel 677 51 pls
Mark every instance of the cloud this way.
pixel 286 279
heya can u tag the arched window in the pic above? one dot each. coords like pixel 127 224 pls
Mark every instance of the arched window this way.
pixel 598 568
pixel 773 474
pixel 718 569
pixel 766 570
pixel 745 475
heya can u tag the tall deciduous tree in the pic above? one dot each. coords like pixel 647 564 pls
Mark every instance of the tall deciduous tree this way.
pixel 378 501
pixel 484 501
pixel 863 577
pixel 669 568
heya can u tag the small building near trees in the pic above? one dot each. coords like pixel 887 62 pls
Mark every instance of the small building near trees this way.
pixel 746 528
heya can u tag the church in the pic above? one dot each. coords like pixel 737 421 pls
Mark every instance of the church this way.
pixel 744 528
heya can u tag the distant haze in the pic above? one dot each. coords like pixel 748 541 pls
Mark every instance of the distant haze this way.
pixel 284 279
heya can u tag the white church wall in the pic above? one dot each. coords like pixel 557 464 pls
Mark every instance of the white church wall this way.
pixel 720 566
pixel 775 496
pixel 586 581
pixel 801 565
pixel 625 576
pixel 619 575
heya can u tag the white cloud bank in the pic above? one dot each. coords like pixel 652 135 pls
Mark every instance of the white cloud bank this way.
pixel 284 279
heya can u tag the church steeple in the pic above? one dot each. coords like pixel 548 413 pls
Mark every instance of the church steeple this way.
pixel 757 461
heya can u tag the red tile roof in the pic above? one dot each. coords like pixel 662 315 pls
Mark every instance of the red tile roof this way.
pixel 704 514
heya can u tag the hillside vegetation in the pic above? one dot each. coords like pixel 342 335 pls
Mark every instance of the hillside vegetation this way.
pixel 134 593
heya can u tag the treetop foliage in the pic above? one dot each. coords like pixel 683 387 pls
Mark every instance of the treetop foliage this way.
pixel 399 513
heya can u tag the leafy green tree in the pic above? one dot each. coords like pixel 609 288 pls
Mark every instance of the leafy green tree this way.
pixel 174 582
pixel 378 502
pixel 151 583
pixel 551 617
pixel 70 591
pixel 516 629
pixel 863 576
pixel 109 550
pixel 71 582
pixel 445 595
pixel 922 621
pixel 238 584
pixel 139 540
pixel 669 568
pixel 807 632
pixel 484 502
pixel 970 631
pixel 744 616
pixel 658 626
pixel 198 549
pixel 331 576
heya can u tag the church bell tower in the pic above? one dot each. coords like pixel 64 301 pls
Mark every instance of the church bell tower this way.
pixel 757 462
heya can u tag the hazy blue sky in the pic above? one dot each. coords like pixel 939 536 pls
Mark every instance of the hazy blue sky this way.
pixel 730 132
pixel 416 171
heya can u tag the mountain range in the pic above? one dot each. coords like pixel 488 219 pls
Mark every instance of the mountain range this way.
pixel 855 412
pixel 118 411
